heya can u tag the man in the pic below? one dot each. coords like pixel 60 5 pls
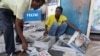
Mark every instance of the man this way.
pixel 56 24
pixel 6 26
pixel 19 23
pixel 38 4
pixel 18 7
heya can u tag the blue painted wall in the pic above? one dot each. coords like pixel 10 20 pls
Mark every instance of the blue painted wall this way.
pixel 77 12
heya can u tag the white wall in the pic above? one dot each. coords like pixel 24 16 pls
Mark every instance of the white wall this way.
pixel 51 8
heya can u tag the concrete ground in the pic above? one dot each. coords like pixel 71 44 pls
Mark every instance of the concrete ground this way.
pixel 92 50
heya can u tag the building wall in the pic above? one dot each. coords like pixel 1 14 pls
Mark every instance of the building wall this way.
pixel 77 12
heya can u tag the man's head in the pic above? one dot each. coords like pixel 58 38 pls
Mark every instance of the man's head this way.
pixel 36 4
pixel 58 11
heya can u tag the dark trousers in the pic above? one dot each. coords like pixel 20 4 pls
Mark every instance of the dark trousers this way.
pixel 43 17
pixel 6 24
pixel 18 40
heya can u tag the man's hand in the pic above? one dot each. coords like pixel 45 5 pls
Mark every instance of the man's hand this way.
pixel 24 45
pixel 79 32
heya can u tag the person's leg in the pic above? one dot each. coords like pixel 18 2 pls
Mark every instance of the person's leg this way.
pixel 7 25
pixel 9 39
pixel 43 17
pixel 18 40
pixel 53 29
pixel 1 28
pixel 61 29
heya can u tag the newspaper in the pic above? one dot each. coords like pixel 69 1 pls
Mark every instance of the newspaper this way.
pixel 78 42
pixel 44 43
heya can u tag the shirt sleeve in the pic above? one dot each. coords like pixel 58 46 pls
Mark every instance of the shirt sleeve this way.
pixel 24 6
pixel 65 18
pixel 2 4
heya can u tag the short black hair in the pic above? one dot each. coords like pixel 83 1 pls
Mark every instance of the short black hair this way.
pixel 59 7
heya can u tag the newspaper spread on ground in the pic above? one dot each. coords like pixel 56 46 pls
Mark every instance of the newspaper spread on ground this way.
pixel 78 42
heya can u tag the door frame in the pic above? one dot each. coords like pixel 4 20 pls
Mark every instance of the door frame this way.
pixel 90 18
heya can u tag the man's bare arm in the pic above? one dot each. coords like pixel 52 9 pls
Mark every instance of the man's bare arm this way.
pixel 18 24
pixel 71 25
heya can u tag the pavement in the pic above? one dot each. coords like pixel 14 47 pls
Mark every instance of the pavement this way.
pixel 92 50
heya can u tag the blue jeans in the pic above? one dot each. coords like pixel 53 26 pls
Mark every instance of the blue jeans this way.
pixel 56 30
pixel 6 24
